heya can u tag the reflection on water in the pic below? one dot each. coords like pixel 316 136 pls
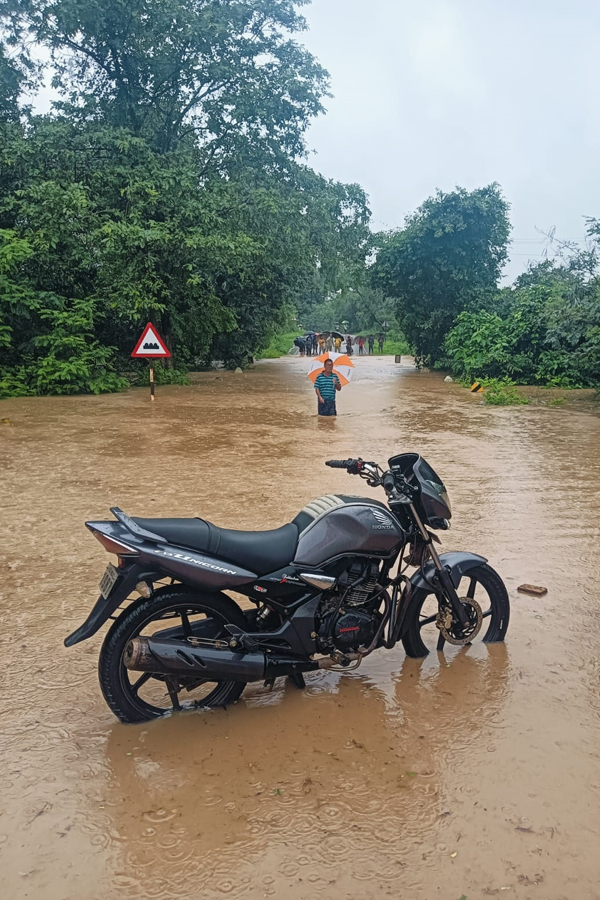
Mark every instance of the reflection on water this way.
pixel 334 786
pixel 466 773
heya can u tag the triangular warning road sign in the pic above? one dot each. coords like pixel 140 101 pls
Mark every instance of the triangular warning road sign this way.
pixel 151 345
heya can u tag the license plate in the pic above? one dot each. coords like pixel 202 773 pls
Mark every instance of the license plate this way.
pixel 109 579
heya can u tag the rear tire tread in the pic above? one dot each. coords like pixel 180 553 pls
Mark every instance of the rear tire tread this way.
pixel 124 628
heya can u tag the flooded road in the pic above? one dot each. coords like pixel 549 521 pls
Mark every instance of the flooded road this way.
pixel 472 775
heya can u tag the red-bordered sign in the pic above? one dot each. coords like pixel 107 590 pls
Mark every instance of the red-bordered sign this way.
pixel 151 345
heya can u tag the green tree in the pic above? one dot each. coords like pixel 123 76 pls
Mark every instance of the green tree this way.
pixel 546 329
pixel 229 73
pixel 446 259
pixel 167 184
pixel 11 82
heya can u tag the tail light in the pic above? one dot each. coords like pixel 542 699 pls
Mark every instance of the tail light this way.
pixel 111 545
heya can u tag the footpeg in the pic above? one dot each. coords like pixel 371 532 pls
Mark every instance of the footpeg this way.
pixel 241 639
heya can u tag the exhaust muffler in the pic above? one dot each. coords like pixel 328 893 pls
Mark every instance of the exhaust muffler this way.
pixel 175 657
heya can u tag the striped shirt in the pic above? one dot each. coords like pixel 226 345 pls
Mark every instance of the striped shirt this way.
pixel 325 384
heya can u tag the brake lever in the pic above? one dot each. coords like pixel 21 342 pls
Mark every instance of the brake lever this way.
pixel 371 474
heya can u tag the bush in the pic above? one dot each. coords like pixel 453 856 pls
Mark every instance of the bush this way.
pixel 14 383
pixel 499 392
pixel 163 375
pixel 279 345
pixel 395 347
pixel 545 330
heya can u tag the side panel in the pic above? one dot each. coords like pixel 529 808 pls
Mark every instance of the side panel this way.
pixel 195 568
pixel 190 566
pixel 353 528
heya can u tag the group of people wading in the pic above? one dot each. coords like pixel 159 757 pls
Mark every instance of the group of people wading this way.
pixel 327 382
pixel 313 343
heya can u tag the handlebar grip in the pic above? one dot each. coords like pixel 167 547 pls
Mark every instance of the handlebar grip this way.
pixel 389 482
pixel 339 463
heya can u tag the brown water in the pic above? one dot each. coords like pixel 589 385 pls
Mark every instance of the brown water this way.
pixel 475 776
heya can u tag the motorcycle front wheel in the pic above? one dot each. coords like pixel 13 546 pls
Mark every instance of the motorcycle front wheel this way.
pixel 482 585
pixel 140 696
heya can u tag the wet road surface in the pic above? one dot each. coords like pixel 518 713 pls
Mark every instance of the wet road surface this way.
pixel 474 774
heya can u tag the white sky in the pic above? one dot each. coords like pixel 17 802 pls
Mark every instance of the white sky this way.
pixel 435 93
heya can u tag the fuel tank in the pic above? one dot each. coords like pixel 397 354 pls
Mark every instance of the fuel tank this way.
pixel 359 527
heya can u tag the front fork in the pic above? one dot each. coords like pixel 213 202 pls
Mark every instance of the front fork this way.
pixel 443 574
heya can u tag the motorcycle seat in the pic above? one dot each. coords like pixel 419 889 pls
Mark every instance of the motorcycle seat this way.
pixel 260 552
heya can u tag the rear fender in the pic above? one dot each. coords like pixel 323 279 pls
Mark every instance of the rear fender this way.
pixel 154 562
pixel 103 609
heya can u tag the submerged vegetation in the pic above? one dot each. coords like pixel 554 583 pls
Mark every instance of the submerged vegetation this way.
pixel 501 392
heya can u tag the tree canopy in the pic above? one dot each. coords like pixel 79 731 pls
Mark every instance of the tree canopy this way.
pixel 227 72
pixel 447 258
pixel 168 184
pixel 543 330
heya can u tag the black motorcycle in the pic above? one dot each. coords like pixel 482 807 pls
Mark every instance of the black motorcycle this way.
pixel 324 593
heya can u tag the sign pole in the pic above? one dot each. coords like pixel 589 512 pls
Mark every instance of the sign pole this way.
pixel 151 346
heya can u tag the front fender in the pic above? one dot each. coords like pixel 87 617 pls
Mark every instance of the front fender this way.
pixel 459 564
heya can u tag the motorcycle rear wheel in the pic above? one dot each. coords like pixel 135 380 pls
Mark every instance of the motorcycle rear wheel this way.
pixel 482 584
pixel 140 696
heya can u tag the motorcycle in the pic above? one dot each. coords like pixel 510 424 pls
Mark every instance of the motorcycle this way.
pixel 322 588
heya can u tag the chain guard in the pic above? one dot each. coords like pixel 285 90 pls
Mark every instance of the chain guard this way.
pixel 447 625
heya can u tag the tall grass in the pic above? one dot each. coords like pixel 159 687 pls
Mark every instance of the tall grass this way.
pixel 279 345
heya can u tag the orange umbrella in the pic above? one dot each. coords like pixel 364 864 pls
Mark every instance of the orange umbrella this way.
pixel 342 366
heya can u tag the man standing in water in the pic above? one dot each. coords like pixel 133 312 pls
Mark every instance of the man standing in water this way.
pixel 326 385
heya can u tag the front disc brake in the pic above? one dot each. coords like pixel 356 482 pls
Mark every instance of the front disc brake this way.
pixel 452 631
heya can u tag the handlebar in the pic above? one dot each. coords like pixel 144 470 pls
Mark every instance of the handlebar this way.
pixel 341 463
pixel 389 482
pixel 354 466
pixel 394 484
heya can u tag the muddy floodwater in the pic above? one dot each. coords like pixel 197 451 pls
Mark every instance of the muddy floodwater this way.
pixel 471 774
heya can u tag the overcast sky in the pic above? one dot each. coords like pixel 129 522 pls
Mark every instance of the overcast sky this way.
pixel 438 93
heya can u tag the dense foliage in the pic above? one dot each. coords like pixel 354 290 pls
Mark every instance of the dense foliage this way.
pixel 447 258
pixel 169 184
pixel 545 329
pixel 443 269
pixel 166 185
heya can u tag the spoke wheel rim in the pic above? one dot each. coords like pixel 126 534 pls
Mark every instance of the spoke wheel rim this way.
pixel 134 681
pixel 427 615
